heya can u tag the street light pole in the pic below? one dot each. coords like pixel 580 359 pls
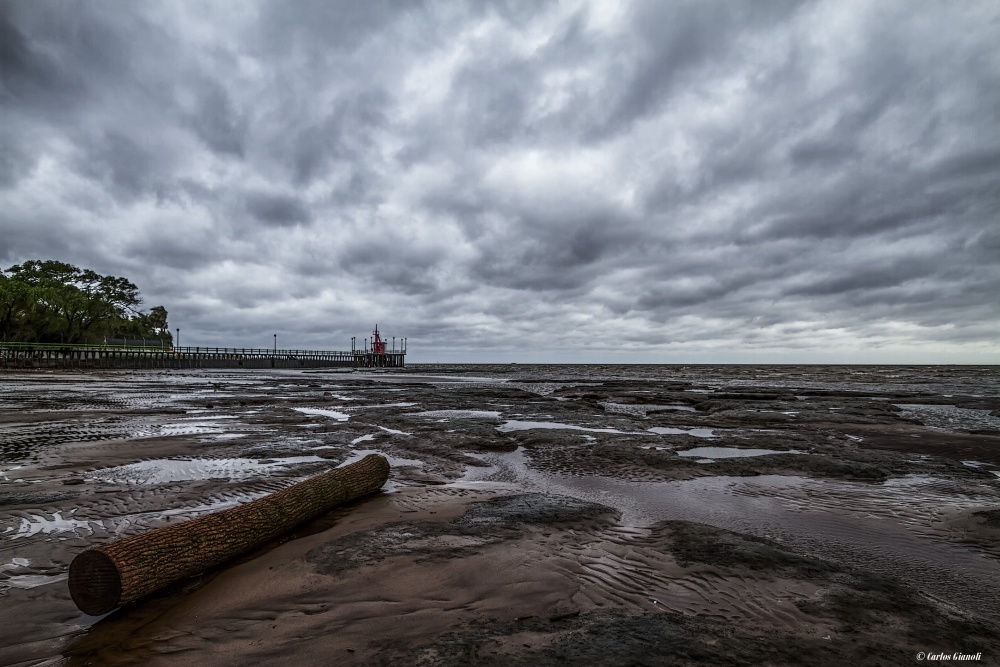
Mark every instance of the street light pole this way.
pixel 276 343
pixel 178 336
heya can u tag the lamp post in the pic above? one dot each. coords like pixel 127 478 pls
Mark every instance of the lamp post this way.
pixel 276 343
pixel 178 336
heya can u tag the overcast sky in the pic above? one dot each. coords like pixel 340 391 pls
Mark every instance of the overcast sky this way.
pixel 660 182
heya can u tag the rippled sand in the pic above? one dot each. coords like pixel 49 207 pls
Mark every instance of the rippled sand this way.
pixel 534 515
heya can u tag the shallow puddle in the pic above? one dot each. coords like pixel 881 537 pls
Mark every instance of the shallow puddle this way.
pixel 516 425
pixel 173 430
pixel 732 452
pixel 693 431
pixel 41 525
pixel 160 471
pixel 379 405
pixel 201 417
pixel 57 526
pixel 643 409
pixel 394 461
pixel 339 416
pixel 14 564
pixel 950 416
pixel 461 414
pixel 33 580
pixel 394 431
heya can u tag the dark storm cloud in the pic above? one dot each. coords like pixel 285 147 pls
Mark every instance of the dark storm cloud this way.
pixel 342 134
pixel 216 122
pixel 121 162
pixel 319 27
pixel 674 40
pixel 279 210
pixel 643 181
pixel 54 60
pixel 26 71
pixel 15 158
pixel 541 254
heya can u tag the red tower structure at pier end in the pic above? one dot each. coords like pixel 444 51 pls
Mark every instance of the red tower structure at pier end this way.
pixel 376 353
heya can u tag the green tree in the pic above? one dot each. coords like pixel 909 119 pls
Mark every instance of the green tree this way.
pixel 14 302
pixel 157 319
pixel 50 301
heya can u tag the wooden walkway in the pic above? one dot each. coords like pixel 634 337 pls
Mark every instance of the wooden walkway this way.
pixel 40 355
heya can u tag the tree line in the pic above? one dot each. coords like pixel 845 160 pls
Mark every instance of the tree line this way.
pixel 55 302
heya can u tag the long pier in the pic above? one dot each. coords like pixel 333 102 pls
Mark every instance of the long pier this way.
pixel 55 355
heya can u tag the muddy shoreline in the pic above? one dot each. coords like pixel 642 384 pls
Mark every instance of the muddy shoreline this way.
pixel 534 515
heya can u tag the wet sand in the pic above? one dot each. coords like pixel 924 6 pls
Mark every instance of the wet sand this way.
pixel 535 514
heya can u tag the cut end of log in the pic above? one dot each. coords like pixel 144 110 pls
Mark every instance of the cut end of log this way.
pixel 94 582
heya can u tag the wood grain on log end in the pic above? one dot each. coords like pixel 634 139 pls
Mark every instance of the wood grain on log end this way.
pixel 94 582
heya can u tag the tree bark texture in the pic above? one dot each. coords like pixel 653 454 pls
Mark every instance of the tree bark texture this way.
pixel 110 575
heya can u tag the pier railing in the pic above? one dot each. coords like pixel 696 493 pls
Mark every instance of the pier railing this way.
pixel 69 355
pixel 166 348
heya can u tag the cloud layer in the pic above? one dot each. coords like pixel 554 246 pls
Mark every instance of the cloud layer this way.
pixel 570 181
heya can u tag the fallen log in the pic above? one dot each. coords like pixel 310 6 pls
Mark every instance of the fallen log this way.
pixel 110 575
